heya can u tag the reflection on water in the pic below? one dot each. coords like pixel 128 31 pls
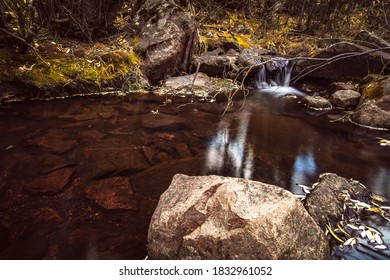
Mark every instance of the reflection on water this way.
pixel 285 146
pixel 304 168
pixel 270 141
pixel 230 150
pixel 380 182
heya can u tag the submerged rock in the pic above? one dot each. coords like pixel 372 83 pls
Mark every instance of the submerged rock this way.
pixel 51 183
pixel 213 217
pixel 112 193
pixel 55 142
pixel 163 122
pixel 104 159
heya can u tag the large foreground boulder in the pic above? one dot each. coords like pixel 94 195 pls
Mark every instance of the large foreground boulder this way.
pixel 167 37
pixel 213 217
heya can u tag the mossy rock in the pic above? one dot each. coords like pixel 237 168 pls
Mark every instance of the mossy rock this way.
pixel 373 91
pixel 118 57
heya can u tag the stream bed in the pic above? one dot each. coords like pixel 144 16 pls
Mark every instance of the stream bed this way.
pixel 57 156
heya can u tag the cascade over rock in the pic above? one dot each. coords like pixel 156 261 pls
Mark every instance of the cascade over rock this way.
pixel 276 72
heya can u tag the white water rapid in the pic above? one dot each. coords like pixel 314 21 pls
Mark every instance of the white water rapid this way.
pixel 274 77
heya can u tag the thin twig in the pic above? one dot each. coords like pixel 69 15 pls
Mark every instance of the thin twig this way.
pixel 367 126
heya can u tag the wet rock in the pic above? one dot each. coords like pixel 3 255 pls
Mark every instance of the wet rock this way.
pixel 29 227
pixel 52 162
pixel 157 178
pixel 166 136
pixel 36 218
pixel 345 67
pixel 55 142
pixel 197 85
pixel 107 115
pixel 112 193
pixel 92 135
pixel 11 195
pixel 162 157
pixel 167 36
pixel 130 108
pixel 80 117
pixel 214 108
pixel 183 150
pixel 374 108
pixel 213 217
pixel 51 183
pixel 163 122
pixel 149 153
pixel 345 98
pixel 325 202
pixel 112 158
pixel 106 240
pixel 124 130
pixel 83 124
pixel 316 103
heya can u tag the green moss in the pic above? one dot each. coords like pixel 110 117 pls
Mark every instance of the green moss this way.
pixel 373 91
pixel 119 57
pixel 133 59
pixel 45 77
pixel 60 71
pixel 71 68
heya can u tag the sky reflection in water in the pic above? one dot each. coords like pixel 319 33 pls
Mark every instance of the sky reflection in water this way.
pixel 275 147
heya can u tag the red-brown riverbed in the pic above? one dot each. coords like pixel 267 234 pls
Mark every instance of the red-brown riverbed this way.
pixel 81 177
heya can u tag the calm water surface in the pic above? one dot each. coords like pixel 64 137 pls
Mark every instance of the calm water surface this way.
pixel 148 140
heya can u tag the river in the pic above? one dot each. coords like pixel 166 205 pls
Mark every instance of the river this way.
pixel 52 153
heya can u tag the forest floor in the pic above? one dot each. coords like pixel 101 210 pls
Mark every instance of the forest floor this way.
pixel 59 67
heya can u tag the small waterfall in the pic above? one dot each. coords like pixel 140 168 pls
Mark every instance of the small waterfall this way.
pixel 276 72
pixel 261 77
pixel 283 75
pixel 274 77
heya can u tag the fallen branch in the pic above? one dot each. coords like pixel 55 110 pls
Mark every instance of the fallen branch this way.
pixel 24 42
pixel 329 60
